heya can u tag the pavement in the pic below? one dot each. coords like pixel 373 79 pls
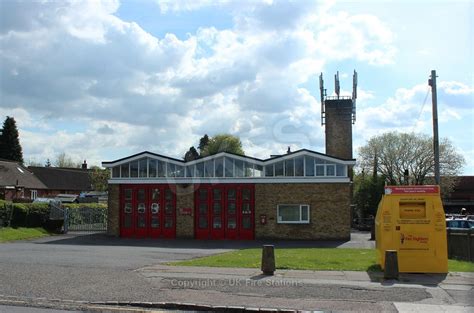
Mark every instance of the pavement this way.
pixel 102 274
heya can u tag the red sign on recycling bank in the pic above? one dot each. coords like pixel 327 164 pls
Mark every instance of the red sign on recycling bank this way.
pixel 397 190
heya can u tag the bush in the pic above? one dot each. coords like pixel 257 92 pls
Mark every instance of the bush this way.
pixel 25 214
pixel 82 205
pixel 54 226
pixel 37 214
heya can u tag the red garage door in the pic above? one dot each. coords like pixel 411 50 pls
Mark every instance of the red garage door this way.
pixel 148 211
pixel 224 211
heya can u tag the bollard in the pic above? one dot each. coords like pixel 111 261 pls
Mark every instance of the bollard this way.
pixel 372 232
pixel 268 260
pixel 391 264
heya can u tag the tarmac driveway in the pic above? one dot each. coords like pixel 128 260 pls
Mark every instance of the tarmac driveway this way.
pixel 98 250
pixel 86 267
pixel 98 268
pixel 95 267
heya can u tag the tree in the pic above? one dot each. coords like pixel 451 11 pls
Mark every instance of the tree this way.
pixel 63 160
pixel 192 154
pixel 223 143
pixel 10 148
pixel 368 191
pixel 203 142
pixel 392 153
pixel 99 178
pixel 34 163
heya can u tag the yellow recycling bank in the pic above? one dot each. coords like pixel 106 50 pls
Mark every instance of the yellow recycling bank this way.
pixel 411 220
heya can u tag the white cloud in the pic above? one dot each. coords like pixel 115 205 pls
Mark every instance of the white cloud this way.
pixel 456 88
pixel 404 112
pixel 187 5
pixel 362 36
pixel 132 91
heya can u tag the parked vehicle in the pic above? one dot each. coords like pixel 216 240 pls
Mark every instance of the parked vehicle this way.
pixel 66 198
pixel 459 224
pixel 43 200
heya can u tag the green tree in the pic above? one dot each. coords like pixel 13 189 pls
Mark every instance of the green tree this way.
pixel 223 143
pixel 203 142
pixel 191 154
pixel 99 178
pixel 368 191
pixel 10 148
pixel 392 153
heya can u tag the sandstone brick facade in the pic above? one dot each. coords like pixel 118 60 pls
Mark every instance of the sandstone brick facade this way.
pixel 329 211
pixel 113 216
pixel 184 200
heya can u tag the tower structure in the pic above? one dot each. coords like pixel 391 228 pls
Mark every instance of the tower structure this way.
pixel 338 113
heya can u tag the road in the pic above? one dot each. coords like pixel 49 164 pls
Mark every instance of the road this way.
pixel 96 268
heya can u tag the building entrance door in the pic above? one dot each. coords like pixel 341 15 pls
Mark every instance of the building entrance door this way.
pixel 148 211
pixel 224 212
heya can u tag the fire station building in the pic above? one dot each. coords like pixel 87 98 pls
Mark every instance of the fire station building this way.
pixel 298 195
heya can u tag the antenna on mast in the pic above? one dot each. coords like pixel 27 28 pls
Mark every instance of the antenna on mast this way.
pixel 354 86
pixel 354 96
pixel 323 95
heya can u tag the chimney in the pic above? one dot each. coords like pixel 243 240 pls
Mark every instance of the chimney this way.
pixel 84 165
pixel 289 150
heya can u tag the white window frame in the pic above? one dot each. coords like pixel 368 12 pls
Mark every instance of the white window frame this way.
pixel 34 194
pixel 279 221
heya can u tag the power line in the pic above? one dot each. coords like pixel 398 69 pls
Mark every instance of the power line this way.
pixel 422 108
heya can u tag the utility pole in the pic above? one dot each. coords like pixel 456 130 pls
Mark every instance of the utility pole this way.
pixel 434 99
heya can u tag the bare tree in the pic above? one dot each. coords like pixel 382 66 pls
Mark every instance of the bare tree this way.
pixel 392 153
pixel 63 160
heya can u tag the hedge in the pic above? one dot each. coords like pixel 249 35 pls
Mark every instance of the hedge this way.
pixel 35 214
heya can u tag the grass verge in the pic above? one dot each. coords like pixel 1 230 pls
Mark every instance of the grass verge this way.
pixel 10 234
pixel 327 259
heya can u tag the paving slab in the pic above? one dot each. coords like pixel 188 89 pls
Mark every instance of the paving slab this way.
pixel 432 308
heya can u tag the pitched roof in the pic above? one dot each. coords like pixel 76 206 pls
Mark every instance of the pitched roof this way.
pixel 14 174
pixel 58 178
pixel 262 161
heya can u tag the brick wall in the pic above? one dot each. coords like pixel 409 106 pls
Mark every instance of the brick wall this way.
pixel 184 200
pixel 113 214
pixel 329 210
pixel 339 128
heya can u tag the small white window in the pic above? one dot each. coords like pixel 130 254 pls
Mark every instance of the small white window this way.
pixel 293 213
pixel 34 194
pixel 330 170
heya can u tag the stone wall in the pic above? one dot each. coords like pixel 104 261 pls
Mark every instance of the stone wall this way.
pixel 113 214
pixel 184 201
pixel 329 210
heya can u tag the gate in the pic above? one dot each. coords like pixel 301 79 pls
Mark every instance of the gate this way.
pixel 85 218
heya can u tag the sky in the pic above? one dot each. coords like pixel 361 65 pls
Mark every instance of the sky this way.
pixel 101 80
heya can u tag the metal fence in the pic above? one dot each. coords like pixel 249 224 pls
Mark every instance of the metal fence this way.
pixel 461 244
pixel 86 218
